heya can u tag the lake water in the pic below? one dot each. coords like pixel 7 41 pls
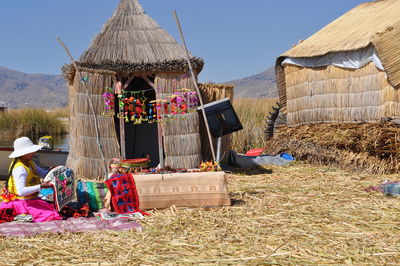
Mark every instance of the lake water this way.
pixel 60 143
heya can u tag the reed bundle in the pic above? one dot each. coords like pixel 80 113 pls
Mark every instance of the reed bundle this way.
pixel 369 147
pixel 298 215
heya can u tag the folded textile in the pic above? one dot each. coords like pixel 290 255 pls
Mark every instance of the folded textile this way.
pixel 73 210
pixel 110 216
pixel 392 189
pixel 24 218
pixel 124 196
pixel 386 187
pixel 21 229
pixel 92 193
pixel 7 215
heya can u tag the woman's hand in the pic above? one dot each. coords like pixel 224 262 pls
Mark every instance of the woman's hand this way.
pixel 46 185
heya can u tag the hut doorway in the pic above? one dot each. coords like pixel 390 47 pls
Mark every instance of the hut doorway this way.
pixel 141 138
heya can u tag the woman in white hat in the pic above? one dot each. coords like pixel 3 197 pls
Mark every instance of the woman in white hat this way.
pixel 24 184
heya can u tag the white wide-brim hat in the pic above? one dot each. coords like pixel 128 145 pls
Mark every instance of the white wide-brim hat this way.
pixel 23 146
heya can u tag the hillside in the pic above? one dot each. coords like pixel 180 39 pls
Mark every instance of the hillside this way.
pixel 259 85
pixel 21 90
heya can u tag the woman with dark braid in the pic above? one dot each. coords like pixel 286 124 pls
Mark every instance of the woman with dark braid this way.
pixel 24 184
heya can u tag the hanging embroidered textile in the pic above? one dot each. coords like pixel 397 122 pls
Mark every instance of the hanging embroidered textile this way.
pixel 134 107
pixel 109 102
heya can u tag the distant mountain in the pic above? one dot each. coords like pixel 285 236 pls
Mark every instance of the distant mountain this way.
pixel 21 90
pixel 259 85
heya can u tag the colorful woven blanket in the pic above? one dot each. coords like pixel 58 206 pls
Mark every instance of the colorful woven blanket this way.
pixel 124 196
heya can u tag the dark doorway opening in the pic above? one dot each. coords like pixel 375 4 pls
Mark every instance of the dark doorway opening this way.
pixel 140 139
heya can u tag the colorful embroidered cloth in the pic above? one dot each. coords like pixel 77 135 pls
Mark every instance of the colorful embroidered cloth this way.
pixel 92 193
pixel 62 179
pixel 124 197
pixel 20 229
pixel 7 215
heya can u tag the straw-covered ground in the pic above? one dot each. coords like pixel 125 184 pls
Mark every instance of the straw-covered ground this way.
pixel 299 214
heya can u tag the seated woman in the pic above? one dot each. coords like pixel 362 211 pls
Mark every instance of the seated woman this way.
pixel 25 183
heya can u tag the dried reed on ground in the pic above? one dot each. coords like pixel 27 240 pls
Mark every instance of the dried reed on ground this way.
pixel 30 122
pixel 252 114
pixel 369 147
pixel 299 214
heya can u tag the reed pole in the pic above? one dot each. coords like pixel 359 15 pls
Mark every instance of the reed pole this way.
pixel 90 104
pixel 196 85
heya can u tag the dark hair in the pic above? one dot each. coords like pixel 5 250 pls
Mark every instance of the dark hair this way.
pixel 14 161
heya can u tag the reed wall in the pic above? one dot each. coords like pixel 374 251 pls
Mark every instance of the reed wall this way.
pixel 85 155
pixel 182 145
pixel 332 94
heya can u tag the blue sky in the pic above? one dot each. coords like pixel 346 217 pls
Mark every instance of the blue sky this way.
pixel 236 38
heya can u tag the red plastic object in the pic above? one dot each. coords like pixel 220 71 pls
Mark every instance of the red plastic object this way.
pixel 254 152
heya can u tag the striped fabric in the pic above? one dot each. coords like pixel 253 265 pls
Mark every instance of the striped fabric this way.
pixel 92 193
pixel 21 229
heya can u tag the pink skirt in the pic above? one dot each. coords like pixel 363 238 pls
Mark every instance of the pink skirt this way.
pixel 40 210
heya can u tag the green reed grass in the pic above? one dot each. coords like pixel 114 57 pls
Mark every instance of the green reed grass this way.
pixel 253 114
pixel 31 123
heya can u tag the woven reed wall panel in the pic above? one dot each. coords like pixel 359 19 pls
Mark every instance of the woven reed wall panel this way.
pixel 281 83
pixel 387 45
pixel 85 156
pixel 332 94
pixel 213 92
pixel 177 132
pixel 186 161
pixel 191 142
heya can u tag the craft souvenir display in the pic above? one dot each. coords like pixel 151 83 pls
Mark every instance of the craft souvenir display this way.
pixel 124 166
pixel 62 179
pixel 210 167
pixel 134 106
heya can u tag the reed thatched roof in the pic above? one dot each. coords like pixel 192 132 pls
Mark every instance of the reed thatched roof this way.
pixel 374 23
pixel 354 30
pixel 131 41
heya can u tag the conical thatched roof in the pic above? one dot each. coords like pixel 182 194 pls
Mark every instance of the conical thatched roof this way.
pixel 131 41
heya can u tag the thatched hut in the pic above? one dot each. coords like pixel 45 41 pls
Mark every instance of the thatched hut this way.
pixel 133 49
pixel 349 71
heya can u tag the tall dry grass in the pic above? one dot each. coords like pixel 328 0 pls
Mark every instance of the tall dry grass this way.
pixel 62 112
pixel 253 114
pixel 31 123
